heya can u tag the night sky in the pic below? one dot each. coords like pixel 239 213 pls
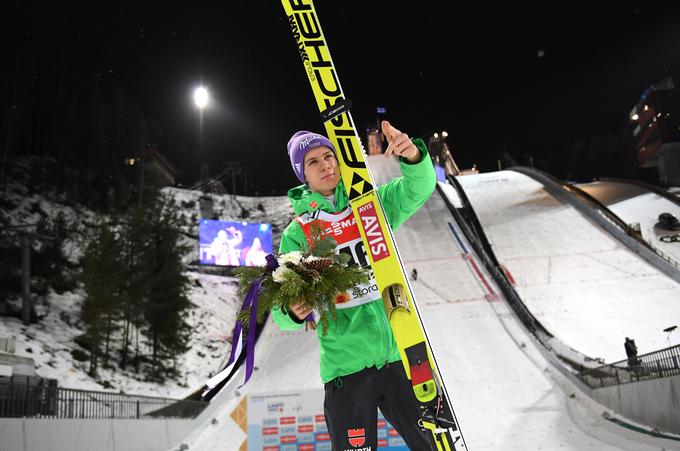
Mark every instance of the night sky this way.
pixel 522 80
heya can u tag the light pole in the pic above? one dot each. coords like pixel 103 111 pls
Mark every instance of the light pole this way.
pixel 436 142
pixel 201 100
pixel 440 151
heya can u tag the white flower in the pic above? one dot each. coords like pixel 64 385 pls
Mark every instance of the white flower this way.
pixel 292 257
pixel 279 273
pixel 311 258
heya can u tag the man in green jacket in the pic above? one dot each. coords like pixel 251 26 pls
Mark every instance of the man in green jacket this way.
pixel 359 361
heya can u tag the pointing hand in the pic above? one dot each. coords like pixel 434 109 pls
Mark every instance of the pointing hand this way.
pixel 398 143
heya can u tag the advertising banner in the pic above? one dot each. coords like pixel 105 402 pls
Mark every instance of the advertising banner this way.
pixel 294 421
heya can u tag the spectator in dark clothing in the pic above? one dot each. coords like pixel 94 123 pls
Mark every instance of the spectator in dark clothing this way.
pixel 414 274
pixel 631 352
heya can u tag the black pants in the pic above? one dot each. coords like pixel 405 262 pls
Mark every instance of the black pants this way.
pixel 352 402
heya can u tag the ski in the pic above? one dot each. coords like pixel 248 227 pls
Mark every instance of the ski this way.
pixel 437 415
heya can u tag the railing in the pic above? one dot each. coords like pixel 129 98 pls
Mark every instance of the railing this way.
pixel 27 396
pixel 654 365
pixel 37 397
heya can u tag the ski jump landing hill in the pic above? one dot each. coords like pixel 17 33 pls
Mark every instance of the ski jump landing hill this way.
pixel 589 279
pixel 583 281
pixel 507 390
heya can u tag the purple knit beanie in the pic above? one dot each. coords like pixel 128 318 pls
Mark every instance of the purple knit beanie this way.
pixel 301 143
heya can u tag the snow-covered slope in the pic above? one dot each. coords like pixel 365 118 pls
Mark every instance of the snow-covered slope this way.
pixel 50 342
pixel 585 287
pixel 505 393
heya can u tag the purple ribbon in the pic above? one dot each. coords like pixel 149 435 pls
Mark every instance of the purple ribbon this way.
pixel 250 302
pixel 272 263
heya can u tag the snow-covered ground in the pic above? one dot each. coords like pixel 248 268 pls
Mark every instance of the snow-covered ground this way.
pixel 504 391
pixel 50 342
pixel 215 304
pixel 585 287
pixel 636 205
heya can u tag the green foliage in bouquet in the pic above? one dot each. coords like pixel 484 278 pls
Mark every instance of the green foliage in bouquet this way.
pixel 314 276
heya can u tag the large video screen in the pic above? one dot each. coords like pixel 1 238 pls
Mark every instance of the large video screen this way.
pixel 226 243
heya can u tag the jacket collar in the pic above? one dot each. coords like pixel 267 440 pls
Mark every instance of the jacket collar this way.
pixel 304 200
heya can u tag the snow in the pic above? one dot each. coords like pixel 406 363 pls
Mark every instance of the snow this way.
pixel 583 285
pixel 215 304
pixel 504 390
pixel 285 361
pixel 50 342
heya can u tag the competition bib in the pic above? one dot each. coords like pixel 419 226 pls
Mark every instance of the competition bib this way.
pixel 342 226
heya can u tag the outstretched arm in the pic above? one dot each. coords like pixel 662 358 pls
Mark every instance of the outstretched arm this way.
pixel 403 196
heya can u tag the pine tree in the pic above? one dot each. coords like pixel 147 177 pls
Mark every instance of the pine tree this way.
pixel 166 299
pixel 49 264
pixel 101 277
pixel 10 265
pixel 134 237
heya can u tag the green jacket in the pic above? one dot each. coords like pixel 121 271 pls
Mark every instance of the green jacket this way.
pixel 361 336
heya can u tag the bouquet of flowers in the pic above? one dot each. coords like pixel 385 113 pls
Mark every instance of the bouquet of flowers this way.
pixel 315 277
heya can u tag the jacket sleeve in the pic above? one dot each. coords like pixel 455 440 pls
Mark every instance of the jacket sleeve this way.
pixel 403 196
pixel 292 239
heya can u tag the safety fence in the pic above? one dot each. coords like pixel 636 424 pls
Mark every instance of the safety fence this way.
pixel 35 397
pixel 653 365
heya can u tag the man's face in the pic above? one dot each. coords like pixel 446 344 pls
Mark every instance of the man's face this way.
pixel 321 170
